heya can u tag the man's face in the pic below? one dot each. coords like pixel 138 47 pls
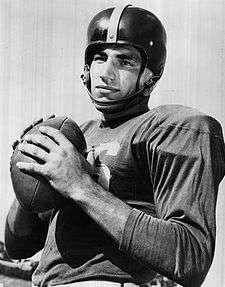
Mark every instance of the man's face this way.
pixel 114 73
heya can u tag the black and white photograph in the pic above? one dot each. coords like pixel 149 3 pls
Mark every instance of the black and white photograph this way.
pixel 112 153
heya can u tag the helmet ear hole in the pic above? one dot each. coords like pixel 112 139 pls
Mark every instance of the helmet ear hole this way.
pixel 146 78
pixel 86 76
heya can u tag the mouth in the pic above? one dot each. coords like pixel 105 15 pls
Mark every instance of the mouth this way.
pixel 107 88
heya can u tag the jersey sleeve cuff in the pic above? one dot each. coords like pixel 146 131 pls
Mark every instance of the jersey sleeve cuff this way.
pixel 130 229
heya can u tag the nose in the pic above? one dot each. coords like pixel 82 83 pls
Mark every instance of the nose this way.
pixel 108 72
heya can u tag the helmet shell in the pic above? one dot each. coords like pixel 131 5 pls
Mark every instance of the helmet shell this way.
pixel 133 26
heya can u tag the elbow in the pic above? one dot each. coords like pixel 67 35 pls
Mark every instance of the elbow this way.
pixel 14 254
pixel 192 278
pixel 19 250
pixel 192 274
pixel 20 247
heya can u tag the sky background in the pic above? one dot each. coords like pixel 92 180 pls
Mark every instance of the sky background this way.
pixel 42 45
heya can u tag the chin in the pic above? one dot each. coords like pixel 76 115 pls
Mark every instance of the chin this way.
pixel 104 99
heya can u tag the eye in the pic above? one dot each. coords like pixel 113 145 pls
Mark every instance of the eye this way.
pixel 125 62
pixel 99 58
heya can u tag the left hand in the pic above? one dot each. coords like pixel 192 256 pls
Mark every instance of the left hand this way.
pixel 62 165
pixel 28 128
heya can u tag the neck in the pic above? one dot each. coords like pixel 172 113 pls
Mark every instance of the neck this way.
pixel 131 111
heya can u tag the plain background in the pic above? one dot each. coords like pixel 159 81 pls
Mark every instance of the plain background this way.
pixel 42 46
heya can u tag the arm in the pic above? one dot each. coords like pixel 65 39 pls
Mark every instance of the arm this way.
pixel 25 232
pixel 173 245
pixel 185 166
pixel 73 180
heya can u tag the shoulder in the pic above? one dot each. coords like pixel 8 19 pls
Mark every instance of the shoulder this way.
pixel 185 118
pixel 173 123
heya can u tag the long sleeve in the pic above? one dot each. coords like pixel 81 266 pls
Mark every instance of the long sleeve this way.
pixel 186 162
pixel 25 232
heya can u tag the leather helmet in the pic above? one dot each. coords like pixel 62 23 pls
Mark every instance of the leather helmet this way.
pixel 127 25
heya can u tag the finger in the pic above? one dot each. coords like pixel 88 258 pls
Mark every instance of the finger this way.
pixel 34 152
pixel 30 167
pixel 38 121
pixel 26 130
pixel 34 123
pixel 51 116
pixel 41 140
pixel 56 135
pixel 15 144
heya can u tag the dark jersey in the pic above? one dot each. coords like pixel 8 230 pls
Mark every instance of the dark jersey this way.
pixel 167 164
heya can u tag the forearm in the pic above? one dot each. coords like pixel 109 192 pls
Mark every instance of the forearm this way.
pixel 108 211
pixel 167 247
pixel 24 232
pixel 176 249
pixel 20 221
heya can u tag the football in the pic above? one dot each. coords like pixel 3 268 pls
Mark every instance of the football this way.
pixel 33 191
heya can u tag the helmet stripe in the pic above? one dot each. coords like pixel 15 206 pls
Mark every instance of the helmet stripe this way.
pixel 114 23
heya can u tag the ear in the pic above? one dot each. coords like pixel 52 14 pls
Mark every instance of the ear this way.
pixel 86 77
pixel 146 78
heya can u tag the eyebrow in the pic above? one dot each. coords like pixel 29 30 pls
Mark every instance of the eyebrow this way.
pixel 129 56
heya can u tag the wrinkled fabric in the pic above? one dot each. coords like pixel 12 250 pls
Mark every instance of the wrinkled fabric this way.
pixel 167 164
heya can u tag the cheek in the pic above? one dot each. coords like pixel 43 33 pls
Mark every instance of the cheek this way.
pixel 95 70
pixel 92 72
pixel 128 81
pixel 92 80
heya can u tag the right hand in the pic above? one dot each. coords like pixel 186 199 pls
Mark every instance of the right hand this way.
pixel 34 123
